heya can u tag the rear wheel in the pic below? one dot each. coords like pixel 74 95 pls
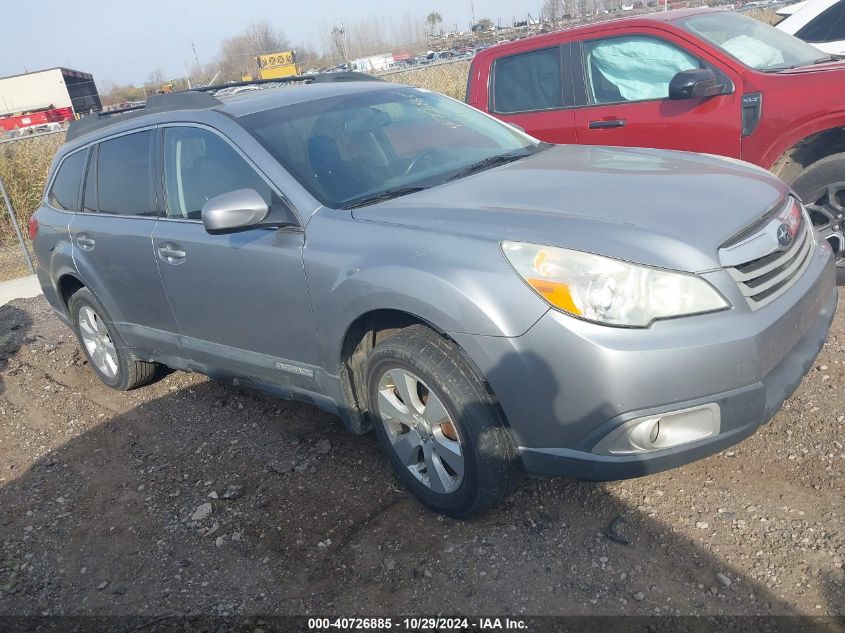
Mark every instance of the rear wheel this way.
pixel 438 424
pixel 106 353
pixel 822 188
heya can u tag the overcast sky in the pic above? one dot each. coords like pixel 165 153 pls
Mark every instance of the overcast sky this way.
pixel 122 41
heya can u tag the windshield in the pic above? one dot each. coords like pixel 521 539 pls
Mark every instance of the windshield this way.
pixel 752 42
pixel 363 147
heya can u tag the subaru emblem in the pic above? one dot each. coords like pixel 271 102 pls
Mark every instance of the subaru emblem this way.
pixel 784 234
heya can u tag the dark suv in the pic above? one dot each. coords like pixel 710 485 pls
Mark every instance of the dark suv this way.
pixel 488 303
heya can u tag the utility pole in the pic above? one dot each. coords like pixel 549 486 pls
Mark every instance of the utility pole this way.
pixel 472 11
pixel 196 58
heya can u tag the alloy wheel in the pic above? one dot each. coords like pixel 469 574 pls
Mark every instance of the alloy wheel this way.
pixel 827 212
pixel 97 342
pixel 421 432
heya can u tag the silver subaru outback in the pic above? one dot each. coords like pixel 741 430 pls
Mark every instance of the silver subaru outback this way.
pixel 489 304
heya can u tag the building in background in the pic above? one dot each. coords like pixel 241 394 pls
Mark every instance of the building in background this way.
pixel 46 90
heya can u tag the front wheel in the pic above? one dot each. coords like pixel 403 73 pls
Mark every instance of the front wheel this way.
pixel 439 425
pixel 822 189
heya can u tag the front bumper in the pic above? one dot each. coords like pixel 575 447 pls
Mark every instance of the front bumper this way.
pixel 566 384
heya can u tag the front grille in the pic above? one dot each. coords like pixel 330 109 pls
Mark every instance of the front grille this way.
pixel 763 279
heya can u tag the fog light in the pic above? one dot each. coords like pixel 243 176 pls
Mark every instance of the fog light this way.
pixel 658 432
pixel 655 431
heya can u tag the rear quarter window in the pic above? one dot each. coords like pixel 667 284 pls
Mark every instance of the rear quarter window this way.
pixel 64 193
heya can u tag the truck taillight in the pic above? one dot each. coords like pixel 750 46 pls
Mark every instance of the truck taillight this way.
pixel 33 228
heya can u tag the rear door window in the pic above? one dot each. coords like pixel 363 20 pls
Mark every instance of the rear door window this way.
pixel 528 82
pixel 125 176
pixel 64 194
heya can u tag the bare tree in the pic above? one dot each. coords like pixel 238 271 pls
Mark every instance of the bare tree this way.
pixel 156 78
pixel 371 36
pixel 553 10
pixel 237 53
pixel 308 57
pixel 264 38
pixel 408 32
pixel 113 94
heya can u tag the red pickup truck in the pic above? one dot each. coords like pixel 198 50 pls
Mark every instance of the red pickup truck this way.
pixel 702 80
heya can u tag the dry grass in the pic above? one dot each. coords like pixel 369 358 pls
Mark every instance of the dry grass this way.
pixel 12 263
pixel 764 15
pixel 23 166
pixel 450 79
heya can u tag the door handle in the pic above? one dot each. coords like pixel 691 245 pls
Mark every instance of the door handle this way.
pixel 171 253
pixel 601 125
pixel 85 242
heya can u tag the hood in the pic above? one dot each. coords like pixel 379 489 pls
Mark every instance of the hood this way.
pixel 657 207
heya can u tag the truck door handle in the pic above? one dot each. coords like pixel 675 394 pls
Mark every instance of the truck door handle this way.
pixel 171 253
pixel 600 125
pixel 85 242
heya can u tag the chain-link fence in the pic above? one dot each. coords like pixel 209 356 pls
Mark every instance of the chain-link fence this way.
pixel 24 163
pixel 448 77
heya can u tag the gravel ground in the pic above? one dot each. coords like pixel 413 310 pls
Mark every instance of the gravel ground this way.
pixel 188 496
pixel 12 262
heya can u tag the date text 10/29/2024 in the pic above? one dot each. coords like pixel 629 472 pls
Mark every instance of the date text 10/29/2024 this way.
pixel 416 624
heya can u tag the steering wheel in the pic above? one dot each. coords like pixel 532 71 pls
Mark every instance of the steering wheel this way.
pixel 420 159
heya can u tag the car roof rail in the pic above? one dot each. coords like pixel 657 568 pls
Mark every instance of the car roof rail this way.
pixel 196 99
pixel 305 79
pixel 351 75
pixel 188 100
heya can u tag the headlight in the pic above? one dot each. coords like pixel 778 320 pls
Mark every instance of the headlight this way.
pixel 607 290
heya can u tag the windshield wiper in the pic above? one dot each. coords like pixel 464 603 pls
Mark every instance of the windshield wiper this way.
pixel 821 60
pixel 778 68
pixel 381 196
pixel 491 161
pixel 829 58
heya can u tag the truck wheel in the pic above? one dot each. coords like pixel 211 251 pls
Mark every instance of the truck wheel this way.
pixel 439 425
pixel 106 353
pixel 822 188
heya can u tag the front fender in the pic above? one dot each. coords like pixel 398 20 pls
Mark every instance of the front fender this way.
pixel 793 135
pixel 458 284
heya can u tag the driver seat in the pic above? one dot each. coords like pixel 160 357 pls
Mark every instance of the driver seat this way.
pixel 338 180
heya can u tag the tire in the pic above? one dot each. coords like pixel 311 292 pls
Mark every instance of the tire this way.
pixel 116 369
pixel 490 468
pixel 822 188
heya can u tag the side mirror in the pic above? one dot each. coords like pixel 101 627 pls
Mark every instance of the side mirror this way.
pixel 695 84
pixel 234 211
